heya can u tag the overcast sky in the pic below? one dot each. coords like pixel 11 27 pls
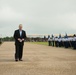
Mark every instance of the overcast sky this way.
pixel 38 16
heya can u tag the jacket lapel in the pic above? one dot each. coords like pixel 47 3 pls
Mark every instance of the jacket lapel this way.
pixel 19 33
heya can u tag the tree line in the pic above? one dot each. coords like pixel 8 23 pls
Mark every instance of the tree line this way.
pixel 28 39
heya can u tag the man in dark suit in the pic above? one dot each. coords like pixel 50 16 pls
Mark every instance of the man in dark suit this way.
pixel 19 36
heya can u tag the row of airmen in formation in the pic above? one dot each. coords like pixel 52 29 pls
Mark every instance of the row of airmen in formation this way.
pixel 66 41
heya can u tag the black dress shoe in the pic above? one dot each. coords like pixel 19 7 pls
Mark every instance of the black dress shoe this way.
pixel 20 60
pixel 16 60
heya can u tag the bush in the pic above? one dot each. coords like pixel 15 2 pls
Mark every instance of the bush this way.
pixel 0 42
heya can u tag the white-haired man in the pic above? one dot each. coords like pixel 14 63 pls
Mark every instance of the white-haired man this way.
pixel 19 36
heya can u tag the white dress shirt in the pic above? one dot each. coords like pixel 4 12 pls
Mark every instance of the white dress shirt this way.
pixel 20 32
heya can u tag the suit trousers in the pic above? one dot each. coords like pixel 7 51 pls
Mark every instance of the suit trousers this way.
pixel 18 51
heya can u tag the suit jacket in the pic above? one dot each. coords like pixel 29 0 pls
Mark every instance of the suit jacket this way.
pixel 17 35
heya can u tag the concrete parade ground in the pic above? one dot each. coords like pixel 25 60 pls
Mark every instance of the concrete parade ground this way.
pixel 37 60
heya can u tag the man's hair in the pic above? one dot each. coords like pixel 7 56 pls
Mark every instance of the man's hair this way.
pixel 20 24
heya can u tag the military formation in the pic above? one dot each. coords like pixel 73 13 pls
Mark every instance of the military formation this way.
pixel 65 41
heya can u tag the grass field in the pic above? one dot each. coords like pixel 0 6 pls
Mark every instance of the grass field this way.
pixel 41 43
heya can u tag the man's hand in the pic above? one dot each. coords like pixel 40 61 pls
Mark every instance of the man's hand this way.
pixel 19 40
pixel 22 39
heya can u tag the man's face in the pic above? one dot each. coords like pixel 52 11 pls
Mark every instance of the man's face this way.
pixel 20 27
